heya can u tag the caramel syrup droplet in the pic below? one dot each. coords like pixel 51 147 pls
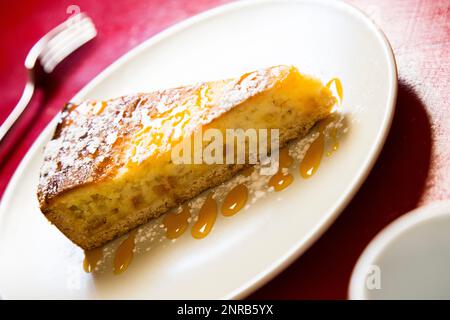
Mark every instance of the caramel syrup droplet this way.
pixel 206 218
pixel 99 107
pixel 280 181
pixel 339 89
pixel 285 159
pixel 244 76
pixel 91 258
pixel 176 223
pixel 235 200
pixel 124 253
pixel 313 156
pixel 202 96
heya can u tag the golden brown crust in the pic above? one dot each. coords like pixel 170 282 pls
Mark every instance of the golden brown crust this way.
pixel 96 139
pixel 139 217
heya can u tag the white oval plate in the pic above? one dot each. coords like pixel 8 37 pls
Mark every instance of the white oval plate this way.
pixel 323 38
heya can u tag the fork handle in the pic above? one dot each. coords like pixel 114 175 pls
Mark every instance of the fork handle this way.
pixel 18 109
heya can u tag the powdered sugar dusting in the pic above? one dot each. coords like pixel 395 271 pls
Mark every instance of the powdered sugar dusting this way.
pixel 97 140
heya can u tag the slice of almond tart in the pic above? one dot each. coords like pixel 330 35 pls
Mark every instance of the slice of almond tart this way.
pixel 109 169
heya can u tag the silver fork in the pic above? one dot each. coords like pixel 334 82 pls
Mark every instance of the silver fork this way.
pixel 47 53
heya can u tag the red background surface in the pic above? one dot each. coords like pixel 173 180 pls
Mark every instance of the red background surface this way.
pixel 413 169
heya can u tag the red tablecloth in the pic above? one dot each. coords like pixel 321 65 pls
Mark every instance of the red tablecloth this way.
pixel 413 169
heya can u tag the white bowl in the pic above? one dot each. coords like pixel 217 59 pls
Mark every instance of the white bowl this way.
pixel 409 259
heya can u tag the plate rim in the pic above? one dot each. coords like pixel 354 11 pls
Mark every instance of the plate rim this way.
pixel 298 247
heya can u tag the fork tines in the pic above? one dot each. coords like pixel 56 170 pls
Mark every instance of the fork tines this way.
pixel 68 37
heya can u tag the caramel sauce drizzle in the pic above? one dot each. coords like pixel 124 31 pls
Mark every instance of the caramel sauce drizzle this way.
pixel 206 218
pixel 124 253
pixel 176 223
pixel 313 157
pixel 338 85
pixel 203 96
pixel 91 258
pixel 280 181
pixel 235 200
pixel 243 77
pixel 99 107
